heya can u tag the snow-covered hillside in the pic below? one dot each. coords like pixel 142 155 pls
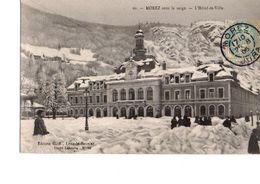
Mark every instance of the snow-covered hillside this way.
pixel 186 45
pixel 67 54
pixel 144 135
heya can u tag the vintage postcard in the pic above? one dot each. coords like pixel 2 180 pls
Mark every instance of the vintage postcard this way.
pixel 140 76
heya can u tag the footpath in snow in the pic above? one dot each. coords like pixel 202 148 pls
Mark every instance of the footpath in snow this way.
pixel 144 135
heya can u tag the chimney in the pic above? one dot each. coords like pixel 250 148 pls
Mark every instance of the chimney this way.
pixel 234 74
pixel 164 65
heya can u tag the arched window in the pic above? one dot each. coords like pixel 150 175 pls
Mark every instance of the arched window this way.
pixel 98 113
pixel 91 112
pixel 81 111
pixel 212 110
pixel 149 111
pixel 177 111
pixel 123 112
pixel 187 111
pixel 115 112
pixel 167 111
pixel 105 112
pixel 131 112
pixel 131 94
pixel 149 93
pixel 221 110
pixel 123 94
pixel 202 110
pixel 114 95
pixel 140 111
pixel 140 94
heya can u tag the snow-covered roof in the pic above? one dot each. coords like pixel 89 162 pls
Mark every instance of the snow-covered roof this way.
pixel 221 72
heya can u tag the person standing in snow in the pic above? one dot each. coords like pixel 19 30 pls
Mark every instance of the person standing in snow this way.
pixel 253 146
pixel 174 122
pixel 197 120
pixel 39 126
pixel 181 122
pixel 201 122
pixel 209 122
pixel 227 123
pixel 187 122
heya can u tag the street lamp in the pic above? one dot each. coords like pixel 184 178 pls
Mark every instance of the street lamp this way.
pixel 86 93
pixel 252 122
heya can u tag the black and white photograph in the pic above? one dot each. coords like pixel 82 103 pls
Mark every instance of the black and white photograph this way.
pixel 139 77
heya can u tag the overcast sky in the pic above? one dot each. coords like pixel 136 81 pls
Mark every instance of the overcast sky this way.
pixel 120 12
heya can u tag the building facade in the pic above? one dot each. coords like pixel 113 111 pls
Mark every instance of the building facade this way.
pixel 142 86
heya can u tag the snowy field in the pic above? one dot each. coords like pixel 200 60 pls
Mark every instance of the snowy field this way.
pixel 144 135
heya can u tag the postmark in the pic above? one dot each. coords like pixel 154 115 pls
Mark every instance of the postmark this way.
pixel 240 44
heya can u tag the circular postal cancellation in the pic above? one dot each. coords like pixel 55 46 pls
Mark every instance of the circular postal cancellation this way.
pixel 240 44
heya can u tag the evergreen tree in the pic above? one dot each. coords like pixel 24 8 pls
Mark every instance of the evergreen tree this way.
pixel 54 95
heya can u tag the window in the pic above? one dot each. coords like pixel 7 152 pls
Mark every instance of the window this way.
pixel 140 94
pixel 131 94
pixel 76 100
pixel 98 99
pixel 187 94
pixel 105 98
pixel 211 110
pixel 98 85
pixel 177 95
pixel 123 94
pixel 81 111
pixel 90 99
pixel 167 80
pixel 167 95
pixel 114 95
pixel 211 93
pixel 202 93
pixel 149 93
pixel 211 77
pixel 202 110
pixel 187 78
pixel 71 99
pixel 221 110
pixel 80 100
pixel 177 79
pixel 221 92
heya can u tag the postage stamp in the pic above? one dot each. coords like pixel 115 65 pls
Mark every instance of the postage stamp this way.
pixel 240 44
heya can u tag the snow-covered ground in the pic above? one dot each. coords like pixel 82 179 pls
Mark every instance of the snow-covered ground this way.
pixel 144 135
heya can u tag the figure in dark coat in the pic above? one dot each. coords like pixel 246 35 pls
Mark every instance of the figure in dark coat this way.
pixel 209 122
pixel 197 120
pixel 201 122
pixel 227 123
pixel 253 146
pixel 39 126
pixel 187 122
pixel 181 122
pixel 174 122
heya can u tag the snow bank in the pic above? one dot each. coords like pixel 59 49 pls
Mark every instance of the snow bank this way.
pixel 144 135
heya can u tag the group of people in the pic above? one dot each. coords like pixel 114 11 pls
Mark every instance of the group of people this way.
pixel 178 121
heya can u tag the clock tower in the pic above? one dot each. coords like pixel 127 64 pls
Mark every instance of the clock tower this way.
pixel 139 49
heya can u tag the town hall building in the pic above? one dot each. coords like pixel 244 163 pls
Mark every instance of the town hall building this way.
pixel 143 86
